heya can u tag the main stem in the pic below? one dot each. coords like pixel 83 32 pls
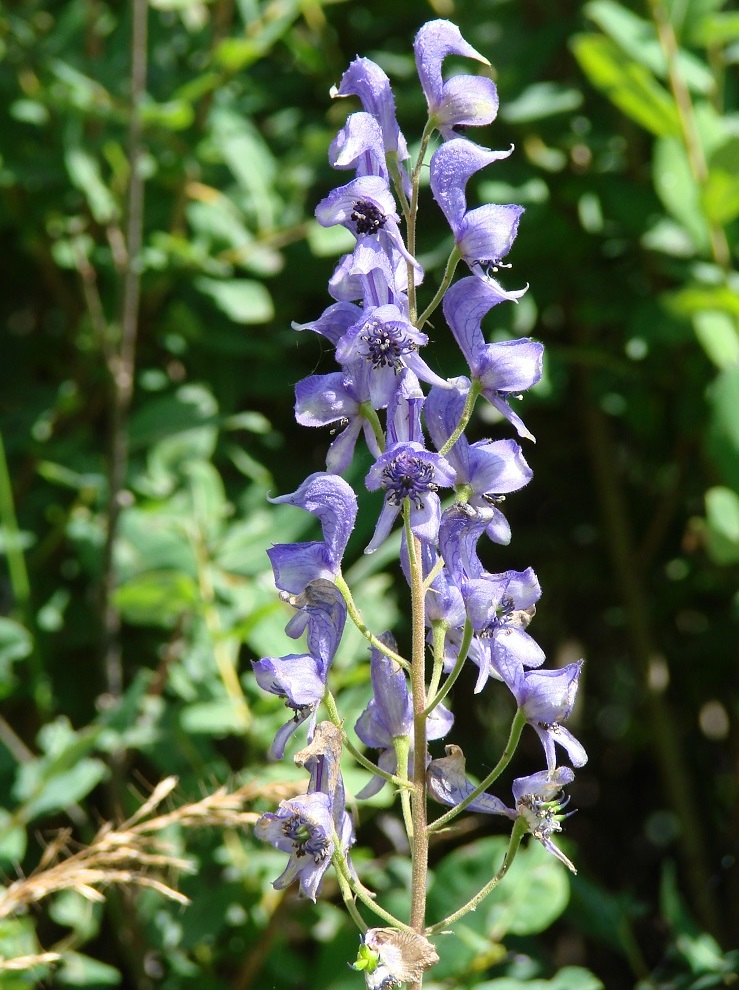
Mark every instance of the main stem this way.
pixel 420 843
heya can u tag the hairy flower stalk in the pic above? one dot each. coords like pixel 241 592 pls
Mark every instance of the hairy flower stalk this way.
pixel 445 494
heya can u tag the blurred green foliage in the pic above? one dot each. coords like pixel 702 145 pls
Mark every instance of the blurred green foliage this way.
pixel 624 118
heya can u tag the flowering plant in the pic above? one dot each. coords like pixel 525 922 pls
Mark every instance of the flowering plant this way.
pixel 445 492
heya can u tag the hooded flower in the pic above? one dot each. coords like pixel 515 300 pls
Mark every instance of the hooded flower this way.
pixel 334 503
pixel 389 715
pixel 407 470
pixel 300 678
pixel 301 827
pixel 547 698
pixel 538 801
pixel 503 369
pixel 484 236
pixel 486 470
pixel 463 100
pixel 358 145
pixel 365 79
pixel 449 784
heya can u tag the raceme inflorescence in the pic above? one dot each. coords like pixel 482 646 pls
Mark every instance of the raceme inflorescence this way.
pixel 442 490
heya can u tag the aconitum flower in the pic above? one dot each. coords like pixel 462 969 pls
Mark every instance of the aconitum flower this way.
pixel 486 470
pixel 389 715
pixel 334 503
pixel 547 698
pixel 358 145
pixel 503 369
pixel 538 802
pixel 365 79
pixel 300 678
pixel 406 470
pixel 462 101
pixel 301 827
pixel 483 236
pixel 448 784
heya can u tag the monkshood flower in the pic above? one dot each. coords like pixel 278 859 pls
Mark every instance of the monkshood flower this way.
pixel 321 400
pixel 463 100
pixel 365 206
pixel 484 235
pixel 406 470
pixel 301 827
pixel 322 759
pixel 444 602
pixel 365 79
pixel 538 801
pixel 333 502
pixel 358 145
pixel 300 678
pixel 389 715
pixel 389 957
pixel 448 784
pixel 546 697
pixel 503 369
pixel 537 797
pixel 385 339
pixel 486 470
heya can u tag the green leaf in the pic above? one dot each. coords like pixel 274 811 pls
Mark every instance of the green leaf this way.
pixel 213 718
pixel 676 187
pixel 541 100
pixel 16 643
pixel 173 115
pixel 77 970
pixel 721 192
pixel 53 789
pixel 638 38
pixel 569 978
pixel 627 84
pixel 157 598
pixel 84 171
pixel 717 335
pixel 722 518
pixel 723 432
pixel 13 841
pixel 242 300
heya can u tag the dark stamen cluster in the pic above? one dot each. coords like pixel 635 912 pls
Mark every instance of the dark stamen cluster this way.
pixel 385 344
pixel 306 839
pixel 408 477
pixel 367 217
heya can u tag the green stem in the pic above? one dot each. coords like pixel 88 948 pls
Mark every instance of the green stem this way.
pixel 411 217
pixel 373 419
pixel 333 713
pixel 420 845
pixel 451 266
pixel 438 631
pixel 517 725
pixel 402 745
pixel 357 620
pixel 365 896
pixel 348 898
pixel 469 405
pixel 436 699
pixel 517 833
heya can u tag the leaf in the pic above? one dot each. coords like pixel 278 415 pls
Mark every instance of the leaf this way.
pixel 638 38
pixel 721 192
pixel 242 300
pixel 53 790
pixel 77 970
pixel 541 100
pixel 723 431
pixel 213 718
pixel 717 335
pixel 157 598
pixel 84 171
pixel 629 86
pixel 722 518
pixel 675 186
pixel 569 978
pixel 16 643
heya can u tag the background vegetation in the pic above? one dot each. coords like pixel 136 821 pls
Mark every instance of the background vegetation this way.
pixel 146 398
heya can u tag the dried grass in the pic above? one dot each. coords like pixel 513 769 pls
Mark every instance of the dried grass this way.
pixel 135 853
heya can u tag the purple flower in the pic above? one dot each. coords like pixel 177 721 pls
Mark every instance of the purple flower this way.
pixel 537 797
pixel 301 827
pixel 449 784
pixel 547 698
pixel 463 100
pixel 486 470
pixel 300 678
pixel 365 79
pixel 406 470
pixel 358 145
pixel 538 802
pixel 338 398
pixel 365 206
pixel 504 369
pixel 484 235
pixel 386 339
pixel 389 715
pixel 334 503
